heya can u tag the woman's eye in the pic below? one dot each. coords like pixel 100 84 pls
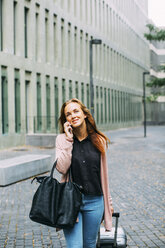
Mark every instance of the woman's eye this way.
pixel 67 114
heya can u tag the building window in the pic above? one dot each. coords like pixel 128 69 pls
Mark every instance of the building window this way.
pixel 46 36
pixel 91 12
pixel 100 59
pixel 86 10
pixel 37 37
pixel 127 107
pixel 109 106
pixel 1 25
pixel 87 53
pixel 107 20
pixel 55 42
pixel 82 92
pixel 103 16
pixel 48 109
pixel 70 89
pixel 101 96
pixel 75 48
pixel 75 7
pixel 97 103
pixel 62 4
pixel 26 10
pixel 99 15
pixel 81 51
pixel 81 10
pixel 131 107
pixel 76 90
pixel 88 96
pixel 103 69
pixel 96 65
pixel 116 106
pixel 27 103
pixel 69 62
pixel 124 106
pixel 56 102
pixel 119 106
pixel 4 94
pixel 14 24
pixel 69 5
pixel 17 103
pixel 62 43
pixel 63 91
pixel 113 104
pixel 39 112
pixel 105 103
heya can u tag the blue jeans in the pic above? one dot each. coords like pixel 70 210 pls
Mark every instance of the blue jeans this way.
pixel 84 233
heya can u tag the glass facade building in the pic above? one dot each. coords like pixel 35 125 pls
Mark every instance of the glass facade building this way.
pixel 44 60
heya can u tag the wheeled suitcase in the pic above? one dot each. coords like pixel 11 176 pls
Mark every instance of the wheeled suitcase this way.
pixel 116 238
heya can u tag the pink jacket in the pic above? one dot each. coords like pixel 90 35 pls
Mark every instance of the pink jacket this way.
pixel 64 147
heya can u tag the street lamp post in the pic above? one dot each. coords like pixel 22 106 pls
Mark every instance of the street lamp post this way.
pixel 144 100
pixel 92 42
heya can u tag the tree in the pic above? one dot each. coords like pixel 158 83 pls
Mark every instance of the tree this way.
pixel 156 34
pixel 156 82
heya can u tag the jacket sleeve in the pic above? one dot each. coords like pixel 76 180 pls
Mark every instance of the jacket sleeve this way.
pixel 106 175
pixel 64 146
pixel 106 193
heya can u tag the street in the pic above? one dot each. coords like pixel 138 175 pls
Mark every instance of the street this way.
pixel 137 179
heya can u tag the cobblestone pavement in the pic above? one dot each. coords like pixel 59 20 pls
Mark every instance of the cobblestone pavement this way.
pixel 137 178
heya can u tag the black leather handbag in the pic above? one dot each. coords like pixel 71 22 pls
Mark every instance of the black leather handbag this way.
pixel 56 204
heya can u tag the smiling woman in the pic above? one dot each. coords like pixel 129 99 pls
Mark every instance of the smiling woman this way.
pixel 81 147
pixel 75 119
pixel 75 114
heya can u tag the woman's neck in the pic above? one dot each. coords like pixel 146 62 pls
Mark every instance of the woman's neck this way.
pixel 81 132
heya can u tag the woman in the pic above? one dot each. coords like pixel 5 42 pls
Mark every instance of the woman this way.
pixel 82 146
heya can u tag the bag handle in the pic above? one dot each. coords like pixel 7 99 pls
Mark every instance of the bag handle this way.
pixel 40 179
pixel 53 168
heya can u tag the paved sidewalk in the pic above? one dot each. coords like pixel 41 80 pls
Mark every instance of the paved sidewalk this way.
pixel 137 179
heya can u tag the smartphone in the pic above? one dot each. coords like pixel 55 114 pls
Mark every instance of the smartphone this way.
pixel 70 129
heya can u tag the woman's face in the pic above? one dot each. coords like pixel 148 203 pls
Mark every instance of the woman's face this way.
pixel 74 114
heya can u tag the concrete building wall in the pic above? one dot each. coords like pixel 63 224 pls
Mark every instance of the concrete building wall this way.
pixel 44 58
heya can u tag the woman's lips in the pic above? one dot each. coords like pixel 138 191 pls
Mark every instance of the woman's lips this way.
pixel 74 121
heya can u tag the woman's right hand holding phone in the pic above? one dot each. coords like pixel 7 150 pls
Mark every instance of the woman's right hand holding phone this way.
pixel 68 129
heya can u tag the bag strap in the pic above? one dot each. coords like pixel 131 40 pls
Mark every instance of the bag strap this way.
pixel 53 168
pixel 70 174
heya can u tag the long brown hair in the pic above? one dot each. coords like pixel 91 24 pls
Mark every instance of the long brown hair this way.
pixel 98 139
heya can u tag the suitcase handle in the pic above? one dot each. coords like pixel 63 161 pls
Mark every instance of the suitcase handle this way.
pixel 116 215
